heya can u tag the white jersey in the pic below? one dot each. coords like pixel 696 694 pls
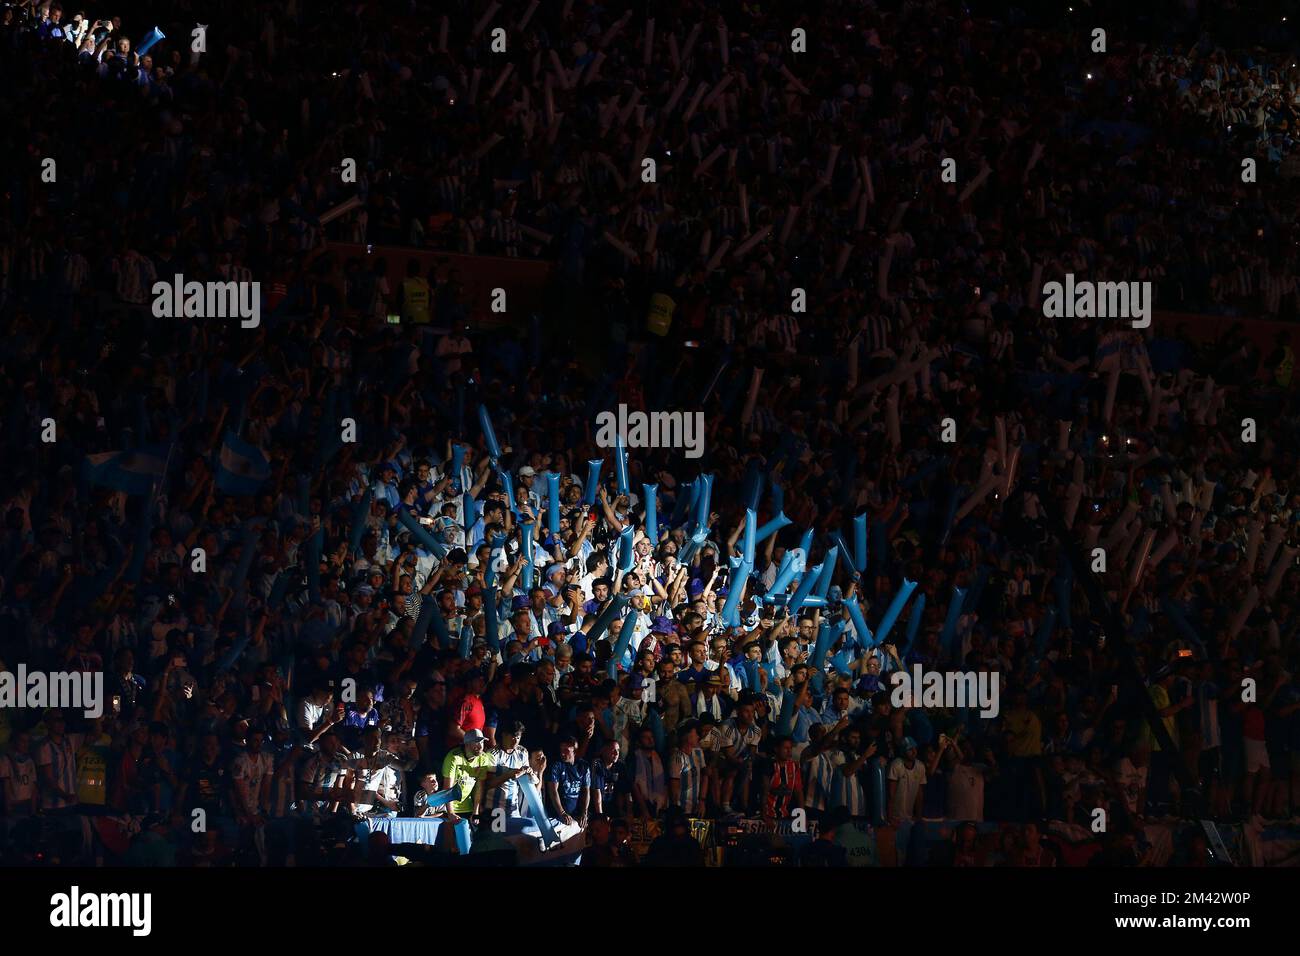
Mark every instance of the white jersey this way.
pixel 249 770
pixel 18 773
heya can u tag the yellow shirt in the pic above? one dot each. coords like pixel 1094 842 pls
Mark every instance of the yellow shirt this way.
pixel 1160 698
pixel 92 772
pixel 465 772
pixel 1026 732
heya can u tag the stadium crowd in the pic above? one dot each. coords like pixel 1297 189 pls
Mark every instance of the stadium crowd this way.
pixel 382 612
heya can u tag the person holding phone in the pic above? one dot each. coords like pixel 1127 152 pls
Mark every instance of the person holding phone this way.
pixel 317 714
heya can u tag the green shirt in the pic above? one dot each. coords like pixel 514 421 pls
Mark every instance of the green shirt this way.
pixel 465 772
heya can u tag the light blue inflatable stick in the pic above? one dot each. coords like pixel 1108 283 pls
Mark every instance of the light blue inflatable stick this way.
pixel 470 511
pixel 860 543
pixel 784 575
pixel 651 513
pixel 702 503
pixel 508 485
pixel 734 587
pixel 553 502
pixel 357 528
pixel 526 546
pixel 778 495
pixel 533 799
pixel 751 535
pixel 785 723
pixel 913 626
pixel 443 797
pixel 463 840
pixel 606 618
pixel 895 608
pixel 806 584
pixel 950 623
pixel 419 533
pixel 626 555
pixel 771 527
pixel 818 662
pixel 457 462
pixel 845 551
pixel 752 485
pixel 862 634
pixel 620 465
pixel 489 434
pixel 593 481
pixel 693 545
pixel 828 572
pixel 805 543
pixel 153 36
pixel 624 639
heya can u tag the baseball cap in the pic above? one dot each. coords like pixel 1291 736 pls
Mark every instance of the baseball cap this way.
pixel 519 603
pixel 906 744
pixel 661 625
pixel 526 471
pixel 636 682
pixel 474 737
pixel 555 629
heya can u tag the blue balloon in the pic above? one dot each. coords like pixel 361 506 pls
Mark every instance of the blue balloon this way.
pixel 845 551
pixel 526 548
pixel 508 485
pixel 950 623
pixel 751 535
pixel 702 505
pixel 771 527
pixel 895 608
pixel 489 435
pixel 778 496
pixel 804 589
pixel 620 465
pixel 553 502
pixel 828 572
pixel 593 481
pixel 419 532
pixel 606 617
pixel 457 463
pixel 862 634
pixel 152 37
pixel 626 555
pixel 784 575
pixel 734 587
pixel 913 624
pixel 651 513
pixel 860 543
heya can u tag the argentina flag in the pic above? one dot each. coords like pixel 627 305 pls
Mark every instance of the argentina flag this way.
pixel 134 471
pixel 242 468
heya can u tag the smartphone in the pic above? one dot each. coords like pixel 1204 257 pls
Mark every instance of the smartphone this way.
pixel 691 344
pixel 394 318
pixel 370 248
pixel 117 703
pixel 1185 652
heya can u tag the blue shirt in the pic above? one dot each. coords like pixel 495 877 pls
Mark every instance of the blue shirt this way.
pixel 570 780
